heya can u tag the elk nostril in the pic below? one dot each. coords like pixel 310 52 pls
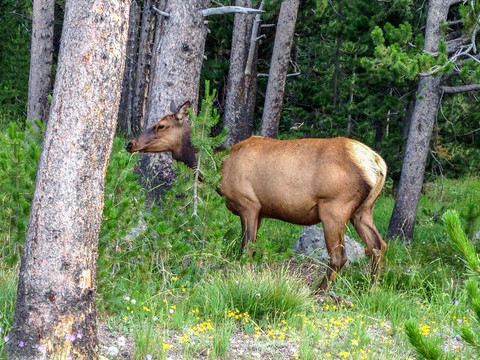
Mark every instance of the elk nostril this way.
pixel 129 147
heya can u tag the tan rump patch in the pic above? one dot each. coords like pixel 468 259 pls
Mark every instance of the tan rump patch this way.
pixel 373 166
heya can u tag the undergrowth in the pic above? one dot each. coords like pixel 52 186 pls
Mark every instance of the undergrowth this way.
pixel 172 280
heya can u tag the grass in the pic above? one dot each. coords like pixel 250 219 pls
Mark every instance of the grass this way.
pixel 173 286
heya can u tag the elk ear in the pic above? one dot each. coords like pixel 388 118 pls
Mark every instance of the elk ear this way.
pixel 182 112
pixel 173 108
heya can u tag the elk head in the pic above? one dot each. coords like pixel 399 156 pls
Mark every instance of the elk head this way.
pixel 171 133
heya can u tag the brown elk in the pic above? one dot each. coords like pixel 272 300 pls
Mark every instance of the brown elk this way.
pixel 304 181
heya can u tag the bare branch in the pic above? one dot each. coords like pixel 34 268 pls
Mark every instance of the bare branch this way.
pixel 455 22
pixel 288 75
pixel 454 44
pixel 217 3
pixel 453 2
pixel 160 12
pixel 460 89
pixel 230 9
pixel 253 41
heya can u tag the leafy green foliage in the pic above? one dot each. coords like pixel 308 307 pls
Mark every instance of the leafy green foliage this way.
pixel 427 348
pixel 19 156
pixel 186 235
pixel 14 56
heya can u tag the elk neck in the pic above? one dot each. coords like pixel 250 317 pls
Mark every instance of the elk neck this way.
pixel 186 153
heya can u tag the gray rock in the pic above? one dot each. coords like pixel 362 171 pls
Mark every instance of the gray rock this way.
pixel 311 242
pixel 476 237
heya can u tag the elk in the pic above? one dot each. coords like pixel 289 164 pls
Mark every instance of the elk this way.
pixel 304 182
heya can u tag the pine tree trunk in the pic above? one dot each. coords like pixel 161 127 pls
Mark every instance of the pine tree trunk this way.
pixel 176 65
pixel 239 126
pixel 55 312
pixel 125 111
pixel 41 60
pixel 142 73
pixel 278 68
pixel 402 222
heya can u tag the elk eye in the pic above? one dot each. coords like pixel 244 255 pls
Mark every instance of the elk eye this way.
pixel 160 127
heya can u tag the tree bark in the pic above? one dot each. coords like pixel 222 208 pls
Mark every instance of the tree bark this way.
pixel 278 68
pixel 125 111
pixel 142 73
pixel 402 222
pixel 239 126
pixel 41 60
pixel 176 66
pixel 55 312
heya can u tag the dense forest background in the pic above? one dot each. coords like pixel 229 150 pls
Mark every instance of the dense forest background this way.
pixel 340 85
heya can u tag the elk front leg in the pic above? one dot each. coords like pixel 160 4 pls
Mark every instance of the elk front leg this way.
pixel 335 242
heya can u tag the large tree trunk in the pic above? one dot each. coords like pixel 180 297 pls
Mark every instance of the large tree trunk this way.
pixel 125 111
pixel 402 222
pixel 41 60
pixel 239 126
pixel 142 73
pixel 176 65
pixel 55 312
pixel 278 68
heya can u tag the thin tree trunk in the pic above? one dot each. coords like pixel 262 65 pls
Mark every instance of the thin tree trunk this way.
pixel 125 111
pixel 142 73
pixel 235 118
pixel 41 60
pixel 55 312
pixel 402 222
pixel 251 79
pixel 176 66
pixel 278 68
pixel 336 71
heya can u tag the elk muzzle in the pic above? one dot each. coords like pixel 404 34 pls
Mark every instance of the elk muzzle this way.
pixel 130 146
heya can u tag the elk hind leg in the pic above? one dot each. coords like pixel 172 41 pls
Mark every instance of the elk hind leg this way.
pixel 362 220
pixel 250 223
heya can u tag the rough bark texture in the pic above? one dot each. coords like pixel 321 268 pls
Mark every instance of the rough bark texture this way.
pixel 239 126
pixel 142 73
pixel 176 65
pixel 125 111
pixel 41 60
pixel 55 310
pixel 278 68
pixel 402 222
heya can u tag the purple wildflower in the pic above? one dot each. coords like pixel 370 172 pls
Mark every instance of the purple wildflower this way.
pixel 21 344
pixel 6 338
pixel 41 348
pixel 112 351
